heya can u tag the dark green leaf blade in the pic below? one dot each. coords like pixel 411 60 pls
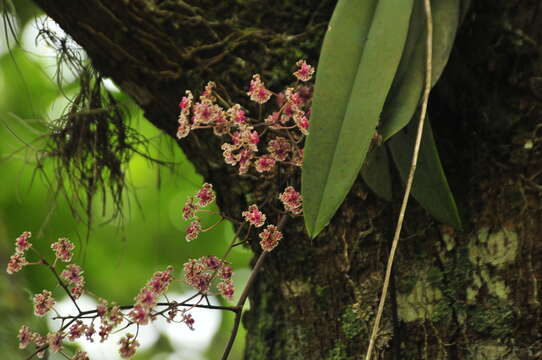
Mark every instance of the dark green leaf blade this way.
pixel 430 187
pixel 406 92
pixel 376 172
pixel 342 126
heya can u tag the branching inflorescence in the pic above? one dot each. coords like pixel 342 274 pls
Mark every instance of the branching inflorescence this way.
pixel 282 131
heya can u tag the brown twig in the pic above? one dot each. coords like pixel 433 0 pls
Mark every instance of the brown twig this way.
pixel 244 296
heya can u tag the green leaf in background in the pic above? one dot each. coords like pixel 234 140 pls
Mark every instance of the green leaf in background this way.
pixel 376 172
pixel 406 92
pixel 430 187
pixel 353 80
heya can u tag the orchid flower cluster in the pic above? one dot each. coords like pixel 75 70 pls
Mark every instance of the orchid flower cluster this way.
pixel 270 236
pixel 288 124
pixel 201 272
pixel 72 281
pixel 110 316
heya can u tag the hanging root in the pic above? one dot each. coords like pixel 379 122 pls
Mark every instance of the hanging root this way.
pixel 91 144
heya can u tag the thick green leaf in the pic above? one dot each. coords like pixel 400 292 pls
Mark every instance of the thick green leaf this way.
pixel 376 172
pixel 406 92
pixel 430 187
pixel 352 83
pixel 415 32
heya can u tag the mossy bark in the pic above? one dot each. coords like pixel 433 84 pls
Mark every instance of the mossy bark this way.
pixel 455 295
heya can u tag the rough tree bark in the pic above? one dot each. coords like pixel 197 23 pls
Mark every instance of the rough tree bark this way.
pixel 456 295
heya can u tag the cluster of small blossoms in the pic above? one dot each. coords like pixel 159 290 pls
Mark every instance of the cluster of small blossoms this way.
pixel 199 274
pixel 292 201
pixel 73 274
pixel 110 316
pixel 149 295
pixel 271 236
pixel 185 318
pixel 128 346
pixel 43 303
pixel 63 249
pixel 257 91
pixel 291 120
pixel 53 340
pixel 305 71
pixel 77 330
pixel 27 337
pixel 17 261
pixel 193 204
pixel 254 216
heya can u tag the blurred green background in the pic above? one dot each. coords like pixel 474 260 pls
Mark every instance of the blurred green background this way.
pixel 119 256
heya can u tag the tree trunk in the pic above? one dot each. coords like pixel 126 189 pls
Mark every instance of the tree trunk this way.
pixel 455 295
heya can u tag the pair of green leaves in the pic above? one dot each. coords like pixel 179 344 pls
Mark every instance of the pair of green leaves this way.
pixel 371 71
